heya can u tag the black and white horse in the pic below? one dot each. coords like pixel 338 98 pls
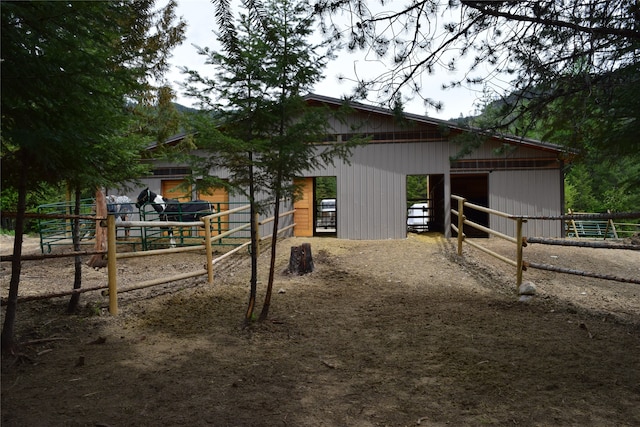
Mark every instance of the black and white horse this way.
pixel 121 207
pixel 174 210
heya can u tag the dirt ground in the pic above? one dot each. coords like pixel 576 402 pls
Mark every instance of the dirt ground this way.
pixel 382 333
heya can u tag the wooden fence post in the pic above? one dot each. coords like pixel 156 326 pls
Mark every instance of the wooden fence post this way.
pixel 572 224
pixel 519 247
pixel 460 224
pixel 207 245
pixel 111 265
pixel 612 225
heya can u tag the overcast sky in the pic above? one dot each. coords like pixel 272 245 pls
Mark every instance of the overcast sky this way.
pixel 199 15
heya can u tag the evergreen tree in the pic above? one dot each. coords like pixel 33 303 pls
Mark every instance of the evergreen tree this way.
pixel 326 187
pixel 565 71
pixel 263 128
pixel 569 66
pixel 74 75
pixel 416 188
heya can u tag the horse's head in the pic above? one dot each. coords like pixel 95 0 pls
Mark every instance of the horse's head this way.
pixel 144 197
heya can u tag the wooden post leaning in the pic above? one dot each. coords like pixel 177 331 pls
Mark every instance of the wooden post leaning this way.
pixel 207 244
pixel 111 265
pixel 572 223
pixel 612 225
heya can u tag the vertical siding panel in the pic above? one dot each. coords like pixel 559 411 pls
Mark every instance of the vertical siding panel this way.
pixel 366 200
pixel 356 193
pixel 374 187
pixel 539 199
pixel 372 190
pixel 375 207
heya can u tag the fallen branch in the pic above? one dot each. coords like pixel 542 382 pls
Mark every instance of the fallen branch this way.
pixel 4 258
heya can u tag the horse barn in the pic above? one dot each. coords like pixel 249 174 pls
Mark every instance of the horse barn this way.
pixel 513 175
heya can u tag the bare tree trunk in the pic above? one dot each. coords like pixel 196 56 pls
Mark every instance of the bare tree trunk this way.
pixel 77 280
pixel 7 339
pixel 98 261
pixel 248 317
pixel 272 265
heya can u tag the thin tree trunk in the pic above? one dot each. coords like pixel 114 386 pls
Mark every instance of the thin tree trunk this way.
pixel 77 279
pixel 254 247
pixel 272 264
pixel 7 339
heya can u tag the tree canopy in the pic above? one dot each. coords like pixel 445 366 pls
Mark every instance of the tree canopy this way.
pixel 570 66
pixel 75 76
pixel 262 130
pixel 75 91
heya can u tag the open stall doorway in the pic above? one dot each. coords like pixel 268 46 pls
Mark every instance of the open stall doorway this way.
pixel 425 203
pixel 326 202
pixel 474 188
pixel 316 210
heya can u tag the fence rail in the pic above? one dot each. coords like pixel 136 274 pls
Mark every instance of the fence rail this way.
pixel 111 288
pixel 581 226
pixel 521 241
pixel 226 216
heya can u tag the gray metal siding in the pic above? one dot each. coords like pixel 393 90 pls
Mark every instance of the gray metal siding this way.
pixel 490 148
pixel 527 192
pixel 372 190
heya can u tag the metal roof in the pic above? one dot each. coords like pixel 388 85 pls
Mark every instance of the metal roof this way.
pixel 511 139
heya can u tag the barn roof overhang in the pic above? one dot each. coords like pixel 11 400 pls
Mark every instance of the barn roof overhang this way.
pixel 439 123
pixel 452 126
pixel 171 141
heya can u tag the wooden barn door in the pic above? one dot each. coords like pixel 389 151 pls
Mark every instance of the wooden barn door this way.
pixel 171 190
pixel 220 200
pixel 303 216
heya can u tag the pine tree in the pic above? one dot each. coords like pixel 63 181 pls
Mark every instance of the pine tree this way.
pixel 564 66
pixel 74 76
pixel 263 128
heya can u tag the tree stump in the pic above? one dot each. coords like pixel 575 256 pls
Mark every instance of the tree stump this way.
pixel 301 260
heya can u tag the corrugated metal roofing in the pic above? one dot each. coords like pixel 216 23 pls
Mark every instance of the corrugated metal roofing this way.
pixel 511 139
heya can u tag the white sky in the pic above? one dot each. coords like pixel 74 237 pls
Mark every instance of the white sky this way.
pixel 199 15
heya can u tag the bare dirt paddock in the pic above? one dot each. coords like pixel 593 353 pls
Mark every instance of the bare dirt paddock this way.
pixel 382 333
